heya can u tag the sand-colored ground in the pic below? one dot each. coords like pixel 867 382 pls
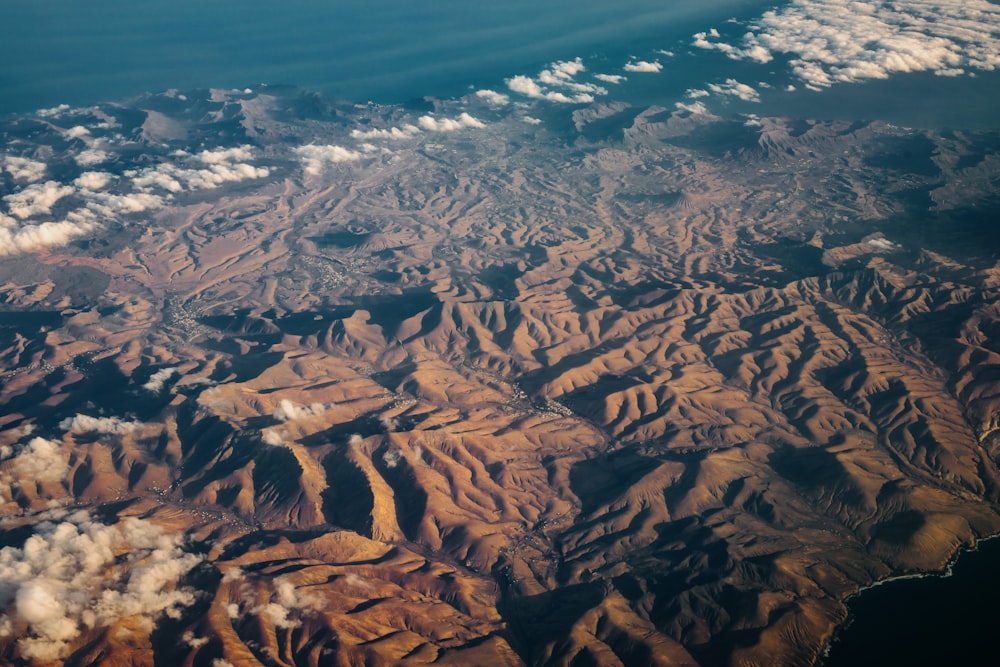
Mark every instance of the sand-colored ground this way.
pixel 639 388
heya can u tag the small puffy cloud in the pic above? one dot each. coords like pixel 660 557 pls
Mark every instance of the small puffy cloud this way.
pixel 104 425
pixel 696 108
pixel 557 83
pixel 286 604
pixel 464 121
pixel 92 180
pixel 392 458
pixel 224 155
pixel 77 574
pixel 315 158
pixel 190 172
pixel 882 244
pixel 273 438
pixel 734 88
pixel 493 97
pixel 23 169
pixel 110 205
pixel 404 132
pixel 90 157
pixel 33 238
pixel 643 66
pixel 36 198
pixel 610 78
pixel 288 411
pixel 695 93
pixel 78 132
pixel 40 460
pixel 158 379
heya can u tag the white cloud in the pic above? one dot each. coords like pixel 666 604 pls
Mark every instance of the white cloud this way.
pixel 696 108
pixel 32 238
pixel 224 155
pixel 493 97
pixel 90 157
pixel 838 42
pixel 78 132
pixel 222 168
pixel 40 460
pixel 643 66
pixel 36 198
pixel 610 78
pixel 78 574
pixel 288 411
pixel 557 83
pixel 158 379
pixel 110 205
pixel 464 121
pixel 287 602
pixel 734 88
pixel 53 112
pixel 405 132
pixel 695 93
pixel 882 244
pixel 525 85
pixel 105 425
pixel 392 458
pixel 24 169
pixel 315 158
pixel 92 180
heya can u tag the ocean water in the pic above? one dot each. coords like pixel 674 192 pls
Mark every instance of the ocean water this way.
pixel 71 52
pixel 929 621
pixel 66 51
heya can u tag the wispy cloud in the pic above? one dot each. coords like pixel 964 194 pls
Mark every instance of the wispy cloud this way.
pixel 610 78
pixel 159 379
pixel 289 411
pixel 732 88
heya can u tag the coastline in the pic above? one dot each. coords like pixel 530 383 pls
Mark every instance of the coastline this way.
pixel 944 573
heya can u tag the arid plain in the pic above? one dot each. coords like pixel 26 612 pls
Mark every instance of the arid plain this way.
pixel 315 384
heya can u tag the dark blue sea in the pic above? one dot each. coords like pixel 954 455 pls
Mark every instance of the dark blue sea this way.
pixel 929 621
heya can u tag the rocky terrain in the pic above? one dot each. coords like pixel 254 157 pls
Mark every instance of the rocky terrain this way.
pixel 306 383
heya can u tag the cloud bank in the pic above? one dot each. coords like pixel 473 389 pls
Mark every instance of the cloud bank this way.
pixel 829 41
pixel 75 574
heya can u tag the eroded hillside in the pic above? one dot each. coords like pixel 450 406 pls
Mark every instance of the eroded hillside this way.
pixel 356 385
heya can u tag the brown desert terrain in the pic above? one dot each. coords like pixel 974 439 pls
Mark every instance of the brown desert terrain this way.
pixel 301 383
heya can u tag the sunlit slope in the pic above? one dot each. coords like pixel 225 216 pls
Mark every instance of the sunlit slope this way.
pixel 631 387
